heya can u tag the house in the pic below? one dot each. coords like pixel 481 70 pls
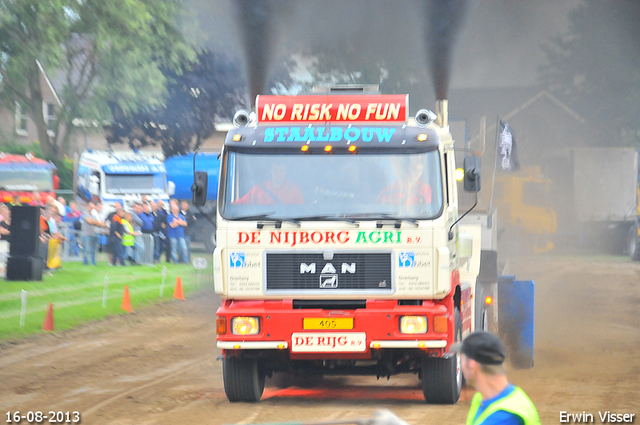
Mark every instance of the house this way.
pixel 17 127
pixel 543 124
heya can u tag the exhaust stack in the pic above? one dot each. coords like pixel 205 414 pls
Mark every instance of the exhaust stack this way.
pixel 442 111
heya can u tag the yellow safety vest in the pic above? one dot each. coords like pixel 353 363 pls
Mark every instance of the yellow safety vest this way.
pixel 517 403
pixel 127 239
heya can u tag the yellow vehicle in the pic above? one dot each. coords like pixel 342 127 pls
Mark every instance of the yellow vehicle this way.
pixel 527 216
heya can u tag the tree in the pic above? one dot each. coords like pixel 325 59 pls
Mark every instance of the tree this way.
pixel 595 66
pixel 100 53
pixel 209 90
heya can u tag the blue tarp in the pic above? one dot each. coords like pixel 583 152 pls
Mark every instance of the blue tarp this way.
pixel 516 319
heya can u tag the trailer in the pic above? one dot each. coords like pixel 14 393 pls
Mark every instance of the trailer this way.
pixel 180 174
pixel 595 195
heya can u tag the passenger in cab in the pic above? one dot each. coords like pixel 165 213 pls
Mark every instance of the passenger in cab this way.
pixel 409 188
pixel 277 190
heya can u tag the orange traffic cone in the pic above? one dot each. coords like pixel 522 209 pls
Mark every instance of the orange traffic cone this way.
pixel 48 320
pixel 177 292
pixel 126 300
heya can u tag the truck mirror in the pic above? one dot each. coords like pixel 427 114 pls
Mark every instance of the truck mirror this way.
pixel 199 188
pixel 472 174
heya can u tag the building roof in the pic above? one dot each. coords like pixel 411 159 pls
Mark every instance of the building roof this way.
pixel 504 103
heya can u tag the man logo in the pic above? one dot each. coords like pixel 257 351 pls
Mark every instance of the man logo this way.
pixel 307 268
pixel 351 268
pixel 328 268
pixel 329 281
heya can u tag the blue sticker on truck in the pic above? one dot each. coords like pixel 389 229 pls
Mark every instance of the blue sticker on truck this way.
pixel 236 260
pixel 407 259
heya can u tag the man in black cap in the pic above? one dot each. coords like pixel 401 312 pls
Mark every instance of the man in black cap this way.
pixel 497 401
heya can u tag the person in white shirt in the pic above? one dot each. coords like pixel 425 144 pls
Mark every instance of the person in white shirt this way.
pixel 90 223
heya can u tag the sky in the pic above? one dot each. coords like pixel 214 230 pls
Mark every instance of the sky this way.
pixel 499 44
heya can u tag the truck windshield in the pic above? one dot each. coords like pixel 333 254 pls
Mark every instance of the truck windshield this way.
pixel 325 187
pixel 26 179
pixel 135 183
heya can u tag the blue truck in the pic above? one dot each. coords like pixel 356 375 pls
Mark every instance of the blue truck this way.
pixel 180 172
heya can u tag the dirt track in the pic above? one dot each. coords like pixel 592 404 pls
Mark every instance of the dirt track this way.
pixel 159 365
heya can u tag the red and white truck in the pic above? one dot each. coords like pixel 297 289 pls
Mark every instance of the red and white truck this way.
pixel 340 250
pixel 25 179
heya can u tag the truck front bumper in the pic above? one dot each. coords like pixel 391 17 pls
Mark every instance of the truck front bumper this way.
pixel 377 327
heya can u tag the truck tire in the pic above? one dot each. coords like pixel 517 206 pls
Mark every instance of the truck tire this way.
pixel 633 244
pixel 442 377
pixel 243 379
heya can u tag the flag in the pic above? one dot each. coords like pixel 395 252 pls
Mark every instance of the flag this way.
pixel 507 153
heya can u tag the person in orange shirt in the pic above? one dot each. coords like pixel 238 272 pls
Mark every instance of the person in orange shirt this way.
pixel 278 190
pixel 409 189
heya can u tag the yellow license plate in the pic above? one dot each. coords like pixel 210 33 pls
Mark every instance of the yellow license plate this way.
pixel 328 323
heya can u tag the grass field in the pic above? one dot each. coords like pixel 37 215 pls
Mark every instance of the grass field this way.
pixel 78 292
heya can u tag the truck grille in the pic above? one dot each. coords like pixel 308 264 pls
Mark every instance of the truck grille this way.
pixel 346 272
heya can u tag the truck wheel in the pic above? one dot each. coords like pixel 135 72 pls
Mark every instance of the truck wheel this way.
pixel 243 379
pixel 442 377
pixel 634 249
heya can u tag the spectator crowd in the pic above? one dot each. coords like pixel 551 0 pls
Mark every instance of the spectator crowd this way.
pixel 89 229
pixel 123 231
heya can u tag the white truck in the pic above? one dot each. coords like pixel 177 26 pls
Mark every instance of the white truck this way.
pixel 340 249
pixel 122 177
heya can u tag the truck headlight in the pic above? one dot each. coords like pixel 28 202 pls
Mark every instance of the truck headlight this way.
pixel 245 325
pixel 413 324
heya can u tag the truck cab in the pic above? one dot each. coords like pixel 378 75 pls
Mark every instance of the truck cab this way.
pixel 121 177
pixel 25 179
pixel 340 250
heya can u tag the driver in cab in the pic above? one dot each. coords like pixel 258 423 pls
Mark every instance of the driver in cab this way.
pixel 409 189
pixel 277 190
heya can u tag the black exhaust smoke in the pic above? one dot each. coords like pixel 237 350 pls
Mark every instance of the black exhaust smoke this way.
pixel 255 25
pixel 445 18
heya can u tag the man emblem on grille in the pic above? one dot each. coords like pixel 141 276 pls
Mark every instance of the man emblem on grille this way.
pixel 329 281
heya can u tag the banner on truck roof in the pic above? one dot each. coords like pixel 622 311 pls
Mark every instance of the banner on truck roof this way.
pixel 133 168
pixel 332 108
pixel 25 168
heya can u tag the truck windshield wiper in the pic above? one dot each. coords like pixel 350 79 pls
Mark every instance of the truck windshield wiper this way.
pixel 384 216
pixel 327 217
pixel 267 217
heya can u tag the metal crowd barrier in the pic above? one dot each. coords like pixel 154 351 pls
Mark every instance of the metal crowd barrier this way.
pixel 71 250
pixel 68 251
pixel 146 256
